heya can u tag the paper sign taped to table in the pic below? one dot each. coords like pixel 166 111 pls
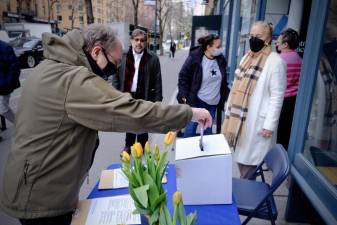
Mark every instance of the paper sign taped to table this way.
pixel 102 211
pixel 113 179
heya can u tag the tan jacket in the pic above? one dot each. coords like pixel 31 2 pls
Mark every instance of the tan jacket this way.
pixel 62 106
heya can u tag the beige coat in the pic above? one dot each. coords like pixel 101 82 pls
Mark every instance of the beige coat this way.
pixel 62 106
pixel 263 112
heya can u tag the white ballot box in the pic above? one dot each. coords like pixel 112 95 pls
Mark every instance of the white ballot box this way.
pixel 204 177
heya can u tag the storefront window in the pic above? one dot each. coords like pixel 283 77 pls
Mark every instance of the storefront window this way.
pixel 321 142
pixel 247 15
pixel 225 24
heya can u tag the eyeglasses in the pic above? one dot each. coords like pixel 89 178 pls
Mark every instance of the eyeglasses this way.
pixel 142 40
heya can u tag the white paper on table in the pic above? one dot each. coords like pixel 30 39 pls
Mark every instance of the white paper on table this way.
pixel 120 180
pixel 187 148
pixel 112 211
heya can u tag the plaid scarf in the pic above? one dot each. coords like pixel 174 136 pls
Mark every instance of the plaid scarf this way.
pixel 246 77
pixel 130 72
pixel 330 111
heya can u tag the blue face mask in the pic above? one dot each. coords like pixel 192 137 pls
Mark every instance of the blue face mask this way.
pixel 217 52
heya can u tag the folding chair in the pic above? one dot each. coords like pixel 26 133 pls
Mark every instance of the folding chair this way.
pixel 255 198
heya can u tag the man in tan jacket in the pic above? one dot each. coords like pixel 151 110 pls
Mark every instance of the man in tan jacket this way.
pixel 63 105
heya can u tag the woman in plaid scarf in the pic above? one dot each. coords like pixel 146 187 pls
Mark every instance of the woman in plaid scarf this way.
pixel 255 101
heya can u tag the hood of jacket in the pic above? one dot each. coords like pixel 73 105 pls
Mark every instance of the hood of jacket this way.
pixel 67 49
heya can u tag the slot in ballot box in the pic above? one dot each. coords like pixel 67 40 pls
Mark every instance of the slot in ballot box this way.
pixel 204 177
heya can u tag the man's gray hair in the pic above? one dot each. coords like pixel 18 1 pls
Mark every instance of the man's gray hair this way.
pixel 137 32
pixel 99 35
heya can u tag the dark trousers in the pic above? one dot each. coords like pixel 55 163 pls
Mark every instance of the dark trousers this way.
pixel 172 53
pixel 57 220
pixel 285 122
pixel 131 138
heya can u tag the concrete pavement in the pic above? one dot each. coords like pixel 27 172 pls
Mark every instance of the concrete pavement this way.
pixel 112 143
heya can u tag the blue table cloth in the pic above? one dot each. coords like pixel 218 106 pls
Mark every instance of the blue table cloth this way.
pixel 207 214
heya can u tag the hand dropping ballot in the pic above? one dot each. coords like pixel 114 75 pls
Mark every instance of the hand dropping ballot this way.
pixel 205 166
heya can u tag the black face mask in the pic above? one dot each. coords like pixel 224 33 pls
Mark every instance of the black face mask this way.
pixel 108 70
pixel 277 50
pixel 256 44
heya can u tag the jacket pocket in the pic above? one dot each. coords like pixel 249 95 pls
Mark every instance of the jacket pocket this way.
pixel 14 189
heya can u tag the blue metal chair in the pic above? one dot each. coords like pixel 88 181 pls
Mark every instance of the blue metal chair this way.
pixel 255 198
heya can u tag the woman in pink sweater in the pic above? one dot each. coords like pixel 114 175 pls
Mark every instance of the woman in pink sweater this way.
pixel 286 45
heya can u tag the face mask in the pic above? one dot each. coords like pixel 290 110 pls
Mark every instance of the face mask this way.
pixel 256 44
pixel 277 49
pixel 110 68
pixel 217 52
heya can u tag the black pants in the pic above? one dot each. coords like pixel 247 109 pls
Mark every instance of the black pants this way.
pixel 131 138
pixel 172 52
pixel 285 122
pixel 57 220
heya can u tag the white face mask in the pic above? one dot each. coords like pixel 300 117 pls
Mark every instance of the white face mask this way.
pixel 217 52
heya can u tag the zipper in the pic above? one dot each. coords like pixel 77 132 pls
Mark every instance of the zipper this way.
pixel 25 171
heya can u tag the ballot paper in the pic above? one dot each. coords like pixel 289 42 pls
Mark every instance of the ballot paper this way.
pixel 115 178
pixel 106 211
pixel 111 179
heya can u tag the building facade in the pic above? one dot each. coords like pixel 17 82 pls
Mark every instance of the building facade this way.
pixel 65 15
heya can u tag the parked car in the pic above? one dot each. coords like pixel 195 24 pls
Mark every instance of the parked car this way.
pixel 28 50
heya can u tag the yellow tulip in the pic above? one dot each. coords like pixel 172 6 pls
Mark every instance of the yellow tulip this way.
pixel 139 149
pixel 177 197
pixel 156 152
pixel 133 151
pixel 169 138
pixel 147 147
pixel 125 157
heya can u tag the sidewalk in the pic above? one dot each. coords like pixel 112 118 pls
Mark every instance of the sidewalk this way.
pixel 112 143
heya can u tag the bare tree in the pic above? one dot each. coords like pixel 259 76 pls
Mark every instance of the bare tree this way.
pixel 51 4
pixel 164 7
pixel 90 13
pixel 19 9
pixel 135 4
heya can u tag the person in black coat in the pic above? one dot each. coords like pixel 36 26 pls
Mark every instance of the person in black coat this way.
pixel 140 75
pixel 173 48
pixel 9 79
pixel 202 79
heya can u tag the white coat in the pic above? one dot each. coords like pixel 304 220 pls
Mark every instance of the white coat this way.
pixel 264 109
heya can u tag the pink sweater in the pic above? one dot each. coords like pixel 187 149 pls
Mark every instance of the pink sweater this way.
pixel 294 63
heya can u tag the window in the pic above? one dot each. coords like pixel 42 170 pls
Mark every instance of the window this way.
pixel 59 18
pixel 58 8
pixel 70 18
pixel 248 15
pixel 70 7
pixel 99 20
pixel 80 7
pixel 80 18
pixel 321 140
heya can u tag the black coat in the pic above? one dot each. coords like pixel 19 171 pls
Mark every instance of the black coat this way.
pixel 152 77
pixel 9 69
pixel 190 78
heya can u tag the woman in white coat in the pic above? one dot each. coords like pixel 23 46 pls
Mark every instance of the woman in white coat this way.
pixel 255 101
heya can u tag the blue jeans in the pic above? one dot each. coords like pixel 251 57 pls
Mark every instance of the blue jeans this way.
pixel 191 127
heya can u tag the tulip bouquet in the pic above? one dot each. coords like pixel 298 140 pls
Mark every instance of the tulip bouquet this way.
pixel 145 176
